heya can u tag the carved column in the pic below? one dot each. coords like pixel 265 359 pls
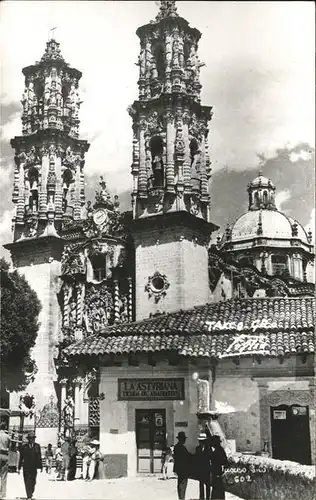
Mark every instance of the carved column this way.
pixel 43 186
pixel 203 174
pixel 187 159
pixel 142 178
pixel 78 396
pixel 77 204
pixel 116 302
pixel 67 290
pixel 63 393
pixel 21 204
pixel 130 299
pixel 170 138
pixel 80 298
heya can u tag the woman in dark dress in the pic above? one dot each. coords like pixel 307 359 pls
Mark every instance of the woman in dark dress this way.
pixel 218 462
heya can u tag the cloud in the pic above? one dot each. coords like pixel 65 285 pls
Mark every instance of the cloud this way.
pixel 301 155
pixel 5 226
pixel 310 226
pixel 282 197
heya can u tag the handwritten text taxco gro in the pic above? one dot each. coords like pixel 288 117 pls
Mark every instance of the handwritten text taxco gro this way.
pixel 233 325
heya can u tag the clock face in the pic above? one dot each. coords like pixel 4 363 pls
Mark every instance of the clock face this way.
pixel 100 217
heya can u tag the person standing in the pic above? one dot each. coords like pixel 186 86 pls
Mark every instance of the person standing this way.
pixel 86 453
pixel 49 458
pixel 203 465
pixel 4 457
pixel 58 461
pixel 65 445
pixel 95 458
pixel 30 460
pixel 218 461
pixel 166 459
pixel 181 464
pixel 72 460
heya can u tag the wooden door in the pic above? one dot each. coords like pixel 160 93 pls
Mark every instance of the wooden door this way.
pixel 150 439
pixel 290 433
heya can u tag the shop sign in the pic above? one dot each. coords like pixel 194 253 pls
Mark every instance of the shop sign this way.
pixel 247 344
pixel 239 326
pixel 150 389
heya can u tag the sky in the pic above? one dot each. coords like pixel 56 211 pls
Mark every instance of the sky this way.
pixel 259 76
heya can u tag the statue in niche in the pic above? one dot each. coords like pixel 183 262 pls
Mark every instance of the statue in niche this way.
pixel 157 166
pixel 68 414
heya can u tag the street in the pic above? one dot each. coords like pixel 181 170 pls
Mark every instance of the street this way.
pixel 137 488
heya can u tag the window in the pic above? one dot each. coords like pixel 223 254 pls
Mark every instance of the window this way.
pixel 265 197
pixel 156 149
pixel 160 62
pixel 279 265
pixel 99 267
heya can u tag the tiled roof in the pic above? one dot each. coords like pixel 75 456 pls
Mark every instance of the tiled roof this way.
pixel 269 327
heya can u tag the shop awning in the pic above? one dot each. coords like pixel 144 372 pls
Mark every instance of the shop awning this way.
pixel 266 327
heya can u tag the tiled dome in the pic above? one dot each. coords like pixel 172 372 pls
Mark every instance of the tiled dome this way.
pixel 274 225
pixel 261 181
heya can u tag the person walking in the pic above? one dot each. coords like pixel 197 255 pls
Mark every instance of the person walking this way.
pixel 30 460
pixel 203 466
pixel 181 464
pixel 4 458
pixel 218 463
pixel 49 458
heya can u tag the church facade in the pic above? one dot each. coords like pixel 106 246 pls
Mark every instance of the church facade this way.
pixel 137 305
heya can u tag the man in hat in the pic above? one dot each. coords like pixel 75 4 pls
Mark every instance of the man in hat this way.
pixel 219 461
pixel 181 464
pixel 203 466
pixel 4 457
pixel 30 460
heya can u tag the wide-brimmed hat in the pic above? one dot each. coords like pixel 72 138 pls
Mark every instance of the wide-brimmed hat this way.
pixel 95 442
pixel 31 434
pixel 181 435
pixel 202 436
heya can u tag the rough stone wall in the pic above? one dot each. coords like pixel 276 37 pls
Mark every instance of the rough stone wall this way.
pixel 184 261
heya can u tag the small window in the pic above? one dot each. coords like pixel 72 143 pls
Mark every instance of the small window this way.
pixel 99 267
pixel 265 197
pixel 279 265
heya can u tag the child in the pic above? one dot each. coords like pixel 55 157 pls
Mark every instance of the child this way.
pixel 49 458
pixel 166 458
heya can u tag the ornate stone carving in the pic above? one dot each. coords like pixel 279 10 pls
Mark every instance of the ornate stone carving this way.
pixel 289 397
pixel 179 142
pixel 73 261
pixel 157 286
pixel 98 307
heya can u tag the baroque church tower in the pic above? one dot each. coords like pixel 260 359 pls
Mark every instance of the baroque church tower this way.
pixel 48 192
pixel 171 168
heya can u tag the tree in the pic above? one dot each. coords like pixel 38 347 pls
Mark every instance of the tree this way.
pixel 20 308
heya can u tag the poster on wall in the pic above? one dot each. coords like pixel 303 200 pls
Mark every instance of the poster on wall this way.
pixel 279 414
pixel 150 389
